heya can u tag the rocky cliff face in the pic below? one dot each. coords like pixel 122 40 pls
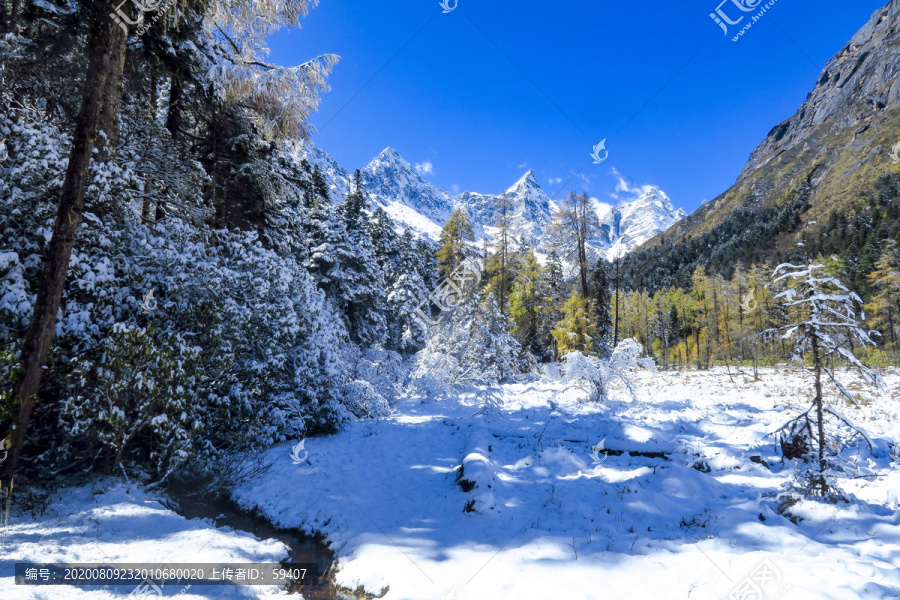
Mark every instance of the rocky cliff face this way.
pixel 831 156
pixel 859 82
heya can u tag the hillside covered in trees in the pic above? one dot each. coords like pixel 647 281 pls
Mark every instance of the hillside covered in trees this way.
pixel 824 182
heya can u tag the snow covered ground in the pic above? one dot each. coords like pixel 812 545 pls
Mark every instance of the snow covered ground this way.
pixel 672 506
pixel 113 522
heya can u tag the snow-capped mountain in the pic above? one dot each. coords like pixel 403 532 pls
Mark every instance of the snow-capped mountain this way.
pixel 394 184
pixel 529 207
pixel 632 223
pixel 337 177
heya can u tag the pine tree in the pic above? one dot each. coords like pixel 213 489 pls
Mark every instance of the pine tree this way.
pixel 354 205
pixel 318 189
pixel 884 306
pixel 427 263
pixel 601 284
pixel 574 223
pixel 452 245
pixel 406 295
pixel 344 264
pixel 527 303
pixel 381 230
pixel 503 261
pixel 553 289
pixel 664 326
pixel 471 345
pixel 576 331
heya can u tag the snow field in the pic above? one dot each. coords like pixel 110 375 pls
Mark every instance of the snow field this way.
pixel 554 519
pixel 669 506
pixel 113 522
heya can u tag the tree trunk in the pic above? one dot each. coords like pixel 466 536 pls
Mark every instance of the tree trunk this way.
pixel 173 118
pixel 101 48
pixel 891 327
pixel 697 345
pixel 820 417
pixel 616 328
pixel 111 99
pixel 154 98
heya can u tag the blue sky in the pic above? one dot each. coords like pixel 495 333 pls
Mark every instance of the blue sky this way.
pixel 494 88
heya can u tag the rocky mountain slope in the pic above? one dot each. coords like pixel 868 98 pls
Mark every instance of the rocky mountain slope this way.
pixel 822 181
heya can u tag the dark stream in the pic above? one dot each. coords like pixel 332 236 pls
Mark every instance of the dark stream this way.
pixel 304 548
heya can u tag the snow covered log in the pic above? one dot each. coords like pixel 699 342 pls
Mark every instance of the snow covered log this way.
pixel 476 475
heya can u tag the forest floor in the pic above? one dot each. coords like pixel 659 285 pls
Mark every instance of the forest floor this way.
pixel 505 493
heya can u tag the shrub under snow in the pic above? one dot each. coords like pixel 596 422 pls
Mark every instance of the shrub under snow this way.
pixel 471 345
pixel 597 374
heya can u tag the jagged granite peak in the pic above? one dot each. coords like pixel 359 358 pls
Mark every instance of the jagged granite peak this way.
pixel 861 80
pixel 528 181
pixel 390 155
pixel 529 207
pixel 528 195
pixel 390 179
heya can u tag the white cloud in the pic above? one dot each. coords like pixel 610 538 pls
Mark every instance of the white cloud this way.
pixel 555 180
pixel 624 186
pixel 425 168
pixel 455 189
pixel 523 165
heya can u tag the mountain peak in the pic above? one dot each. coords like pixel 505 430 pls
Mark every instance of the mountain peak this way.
pixel 389 154
pixel 528 180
